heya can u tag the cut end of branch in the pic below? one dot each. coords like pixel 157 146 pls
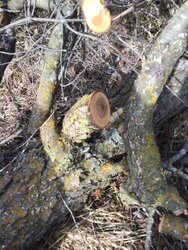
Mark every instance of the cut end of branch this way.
pixel 97 16
pixel 100 110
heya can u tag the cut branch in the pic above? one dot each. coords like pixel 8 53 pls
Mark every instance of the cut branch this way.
pixel 36 191
pixel 88 115
pixel 48 81
pixel 97 15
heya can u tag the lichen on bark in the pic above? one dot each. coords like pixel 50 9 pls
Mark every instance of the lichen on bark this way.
pixel 36 190
pixel 146 181
pixel 48 81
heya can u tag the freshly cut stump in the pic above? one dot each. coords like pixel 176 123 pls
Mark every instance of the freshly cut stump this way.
pixel 90 114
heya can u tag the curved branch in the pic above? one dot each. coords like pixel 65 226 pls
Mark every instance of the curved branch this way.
pixel 146 181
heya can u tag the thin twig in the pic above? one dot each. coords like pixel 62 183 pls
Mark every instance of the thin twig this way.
pixel 11 137
pixel 30 19
pixel 173 93
pixel 176 157
pixel 9 11
pixel 149 228
pixel 74 220
pixel 102 42
pixel 168 164
pixel 65 21
pixel 130 9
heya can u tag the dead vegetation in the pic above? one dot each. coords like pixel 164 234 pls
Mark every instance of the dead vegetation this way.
pixel 110 63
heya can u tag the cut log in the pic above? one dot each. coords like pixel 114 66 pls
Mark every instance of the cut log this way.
pixel 97 15
pixel 90 114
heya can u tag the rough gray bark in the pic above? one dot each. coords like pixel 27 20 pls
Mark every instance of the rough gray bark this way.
pixel 35 192
pixel 48 80
pixel 38 190
pixel 144 161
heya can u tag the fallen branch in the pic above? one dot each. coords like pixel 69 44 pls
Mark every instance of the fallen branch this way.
pixel 97 16
pixel 41 189
pixel 48 81
pixel 144 161
pixel 174 96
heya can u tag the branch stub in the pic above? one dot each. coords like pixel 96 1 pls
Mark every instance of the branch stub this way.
pixel 99 109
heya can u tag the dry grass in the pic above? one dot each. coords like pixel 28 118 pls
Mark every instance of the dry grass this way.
pixel 91 64
pixel 105 228
pixel 21 78
pixel 103 224
pixel 87 65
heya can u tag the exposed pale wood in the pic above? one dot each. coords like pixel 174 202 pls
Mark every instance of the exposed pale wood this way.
pixel 97 15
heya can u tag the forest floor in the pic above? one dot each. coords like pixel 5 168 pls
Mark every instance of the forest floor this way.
pixel 109 63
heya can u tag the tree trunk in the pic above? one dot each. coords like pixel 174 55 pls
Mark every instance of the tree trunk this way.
pixel 36 193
